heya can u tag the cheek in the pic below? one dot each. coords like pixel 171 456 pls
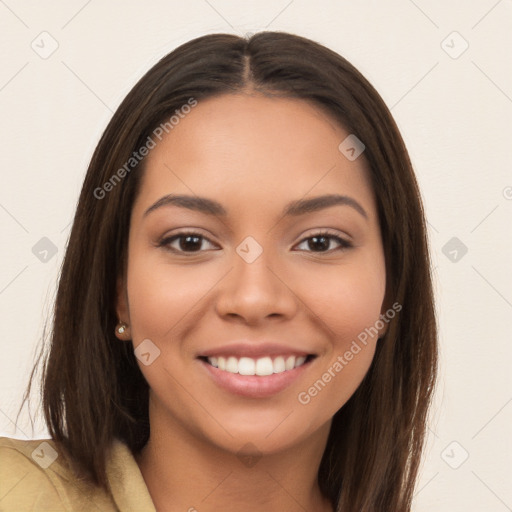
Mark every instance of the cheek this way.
pixel 347 307
pixel 336 380
pixel 161 295
pixel 349 320
pixel 346 301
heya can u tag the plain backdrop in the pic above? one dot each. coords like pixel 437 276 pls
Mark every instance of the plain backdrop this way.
pixel 442 67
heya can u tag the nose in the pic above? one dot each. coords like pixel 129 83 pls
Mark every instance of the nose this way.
pixel 253 292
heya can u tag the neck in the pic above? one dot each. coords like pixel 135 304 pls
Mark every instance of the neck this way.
pixel 184 472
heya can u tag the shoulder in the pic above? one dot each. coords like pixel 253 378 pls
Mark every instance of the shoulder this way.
pixel 24 483
pixel 35 476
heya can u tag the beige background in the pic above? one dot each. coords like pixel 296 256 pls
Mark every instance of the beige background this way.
pixel 453 106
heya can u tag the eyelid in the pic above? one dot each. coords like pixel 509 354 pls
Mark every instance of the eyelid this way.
pixel 326 232
pixel 166 239
pixel 344 242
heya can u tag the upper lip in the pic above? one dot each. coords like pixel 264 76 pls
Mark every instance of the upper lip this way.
pixel 253 350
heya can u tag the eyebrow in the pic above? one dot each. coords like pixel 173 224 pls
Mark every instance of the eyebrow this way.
pixel 294 208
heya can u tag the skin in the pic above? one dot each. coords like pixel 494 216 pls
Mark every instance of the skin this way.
pixel 253 154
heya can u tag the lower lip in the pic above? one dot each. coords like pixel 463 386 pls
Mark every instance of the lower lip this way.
pixel 254 386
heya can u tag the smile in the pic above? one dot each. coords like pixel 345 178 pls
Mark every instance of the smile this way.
pixel 262 366
pixel 261 377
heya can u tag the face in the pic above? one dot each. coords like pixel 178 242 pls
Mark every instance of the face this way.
pixel 253 304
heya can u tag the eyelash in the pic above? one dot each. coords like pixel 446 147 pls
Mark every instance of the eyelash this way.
pixel 344 244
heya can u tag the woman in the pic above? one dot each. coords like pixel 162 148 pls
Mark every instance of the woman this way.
pixel 245 314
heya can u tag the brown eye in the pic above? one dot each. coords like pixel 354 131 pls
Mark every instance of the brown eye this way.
pixel 186 242
pixel 321 242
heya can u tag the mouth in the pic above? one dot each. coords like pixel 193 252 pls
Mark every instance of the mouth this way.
pixel 262 366
pixel 261 376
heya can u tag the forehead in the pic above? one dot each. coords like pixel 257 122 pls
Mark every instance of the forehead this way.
pixel 245 148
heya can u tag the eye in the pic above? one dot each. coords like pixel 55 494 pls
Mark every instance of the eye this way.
pixel 192 242
pixel 187 242
pixel 321 242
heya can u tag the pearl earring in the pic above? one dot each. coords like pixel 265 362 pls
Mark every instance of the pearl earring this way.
pixel 121 328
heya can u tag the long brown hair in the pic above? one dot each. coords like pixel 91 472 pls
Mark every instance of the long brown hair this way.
pixel 92 388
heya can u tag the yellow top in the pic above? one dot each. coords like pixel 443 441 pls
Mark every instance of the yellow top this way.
pixel 35 477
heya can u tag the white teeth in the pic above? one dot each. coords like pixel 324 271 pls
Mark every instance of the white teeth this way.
pixel 262 366
pixel 299 361
pixel 279 365
pixel 290 363
pixel 246 366
pixel 232 365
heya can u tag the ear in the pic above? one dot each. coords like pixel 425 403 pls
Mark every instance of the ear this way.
pixel 384 329
pixel 122 309
pixel 384 318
